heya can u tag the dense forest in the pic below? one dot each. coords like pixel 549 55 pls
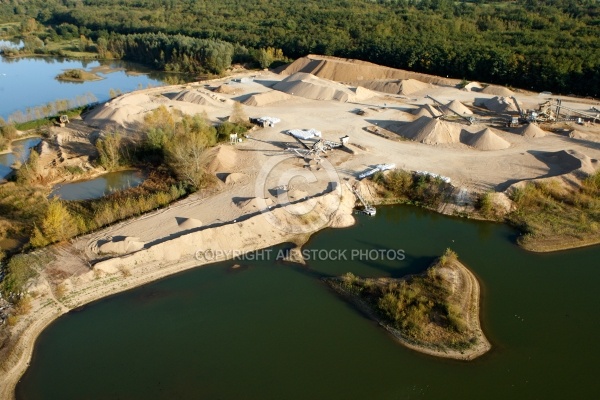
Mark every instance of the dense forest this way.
pixel 534 44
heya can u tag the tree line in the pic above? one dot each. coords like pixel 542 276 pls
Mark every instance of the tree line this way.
pixel 535 44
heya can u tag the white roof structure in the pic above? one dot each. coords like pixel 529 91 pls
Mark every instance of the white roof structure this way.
pixel 304 133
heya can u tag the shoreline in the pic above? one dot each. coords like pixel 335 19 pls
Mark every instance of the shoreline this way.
pixel 477 350
pixel 121 273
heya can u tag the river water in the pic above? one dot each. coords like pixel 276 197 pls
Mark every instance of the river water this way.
pixel 270 330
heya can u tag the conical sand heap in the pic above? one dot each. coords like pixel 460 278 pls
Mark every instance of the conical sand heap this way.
pixel 458 108
pixel 531 131
pixel 487 140
pixel 432 131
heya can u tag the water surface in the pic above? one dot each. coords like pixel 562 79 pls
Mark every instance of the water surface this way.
pixel 20 152
pixel 28 82
pixel 100 186
pixel 275 331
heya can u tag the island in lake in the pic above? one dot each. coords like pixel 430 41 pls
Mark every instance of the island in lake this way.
pixel 436 312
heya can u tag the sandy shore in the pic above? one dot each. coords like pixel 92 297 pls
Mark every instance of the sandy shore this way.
pixel 472 290
pixel 123 273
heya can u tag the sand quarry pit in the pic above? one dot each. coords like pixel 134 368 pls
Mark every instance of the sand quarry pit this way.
pixel 233 215
pixel 311 93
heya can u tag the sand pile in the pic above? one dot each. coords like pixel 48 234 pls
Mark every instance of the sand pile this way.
pixel 531 131
pixel 428 110
pixel 235 177
pixel 487 140
pixel 499 104
pixel 404 87
pixel 361 93
pixel 189 223
pixel 262 99
pixel 121 246
pixel 226 89
pixel 497 91
pixel 458 107
pixel 431 131
pixel 473 87
pixel 196 97
pixel 348 70
pixel 221 159
pixel 310 87
pixel 254 204
pixel 113 113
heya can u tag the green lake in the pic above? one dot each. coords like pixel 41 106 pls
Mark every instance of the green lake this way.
pixel 271 330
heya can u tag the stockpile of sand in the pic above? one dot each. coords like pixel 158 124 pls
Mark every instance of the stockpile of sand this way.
pixel 226 89
pixel 360 93
pixel 111 113
pixel 458 108
pixel 262 99
pixel 497 91
pixel 189 223
pixel 235 177
pixel 428 110
pixel 310 87
pixel 431 131
pixel 499 104
pixel 487 140
pixel 121 246
pixel 196 97
pixel 221 159
pixel 473 87
pixel 531 131
pixel 348 70
pixel 404 87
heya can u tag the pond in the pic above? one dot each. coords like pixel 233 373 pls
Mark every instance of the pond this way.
pixel 100 186
pixel 21 149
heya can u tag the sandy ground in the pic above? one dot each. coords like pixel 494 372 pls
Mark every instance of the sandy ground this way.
pixel 236 215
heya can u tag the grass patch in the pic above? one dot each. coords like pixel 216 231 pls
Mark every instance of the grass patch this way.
pixel 548 212
pixel 77 75
pixel 423 308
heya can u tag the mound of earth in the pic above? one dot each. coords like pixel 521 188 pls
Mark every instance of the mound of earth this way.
pixel 189 223
pixel 428 110
pixel 121 246
pixel 221 159
pixel 262 99
pixel 458 108
pixel 403 87
pixel 196 97
pixel 431 131
pixel 497 91
pixel 473 87
pixel 571 160
pixel 111 114
pixel 348 70
pixel 311 87
pixel 226 89
pixel 235 177
pixel 531 131
pixel 499 104
pixel 487 140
